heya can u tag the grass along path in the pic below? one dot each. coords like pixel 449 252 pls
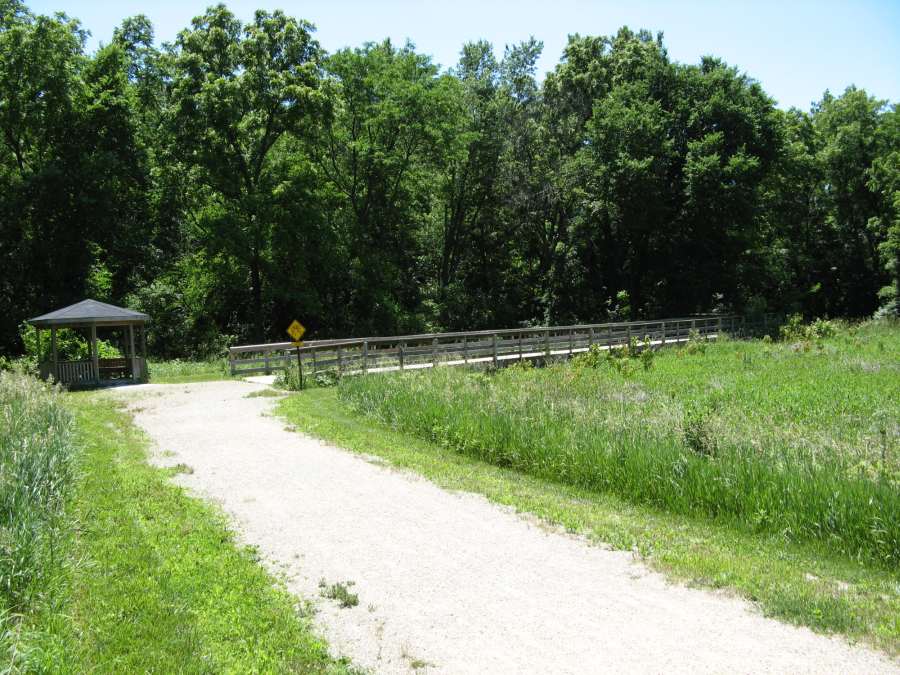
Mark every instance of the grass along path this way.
pixel 799 583
pixel 157 582
pixel 800 440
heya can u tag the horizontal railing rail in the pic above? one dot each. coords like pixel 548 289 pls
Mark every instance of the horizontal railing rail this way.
pixel 380 353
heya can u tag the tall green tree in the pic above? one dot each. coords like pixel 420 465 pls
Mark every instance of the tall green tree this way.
pixel 73 174
pixel 394 118
pixel 237 91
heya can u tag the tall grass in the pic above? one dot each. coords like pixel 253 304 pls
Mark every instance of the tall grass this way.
pixel 178 371
pixel 36 476
pixel 799 439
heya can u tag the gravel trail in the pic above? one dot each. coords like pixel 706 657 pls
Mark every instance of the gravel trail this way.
pixel 448 582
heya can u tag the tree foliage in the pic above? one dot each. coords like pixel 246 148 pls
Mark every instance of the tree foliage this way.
pixel 241 177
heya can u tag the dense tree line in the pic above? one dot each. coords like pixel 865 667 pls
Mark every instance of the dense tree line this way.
pixel 241 176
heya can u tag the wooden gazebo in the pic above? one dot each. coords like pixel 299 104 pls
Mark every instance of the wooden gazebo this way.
pixel 91 314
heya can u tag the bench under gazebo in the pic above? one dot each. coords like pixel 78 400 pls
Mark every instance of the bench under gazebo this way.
pixel 92 315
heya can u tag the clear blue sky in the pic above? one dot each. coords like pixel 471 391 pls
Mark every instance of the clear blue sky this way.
pixel 796 49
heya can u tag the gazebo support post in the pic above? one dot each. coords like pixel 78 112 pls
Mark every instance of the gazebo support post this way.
pixel 144 368
pixel 131 354
pixel 94 354
pixel 55 370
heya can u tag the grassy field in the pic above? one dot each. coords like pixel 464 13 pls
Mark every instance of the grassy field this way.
pixel 799 439
pixel 777 415
pixel 178 371
pixel 145 578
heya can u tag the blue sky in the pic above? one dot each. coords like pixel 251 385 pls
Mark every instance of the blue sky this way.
pixel 796 49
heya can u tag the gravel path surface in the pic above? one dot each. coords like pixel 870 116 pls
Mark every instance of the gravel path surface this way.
pixel 448 582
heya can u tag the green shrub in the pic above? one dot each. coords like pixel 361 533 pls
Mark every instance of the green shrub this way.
pixel 696 343
pixel 70 345
pixel 794 330
pixel 594 357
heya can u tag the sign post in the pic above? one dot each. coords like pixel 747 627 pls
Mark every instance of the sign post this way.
pixel 296 331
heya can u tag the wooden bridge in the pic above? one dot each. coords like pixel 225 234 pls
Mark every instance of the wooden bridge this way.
pixel 488 347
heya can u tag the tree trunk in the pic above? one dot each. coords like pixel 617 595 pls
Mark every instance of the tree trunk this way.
pixel 256 296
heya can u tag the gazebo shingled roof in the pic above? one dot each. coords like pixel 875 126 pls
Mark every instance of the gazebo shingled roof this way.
pixel 88 312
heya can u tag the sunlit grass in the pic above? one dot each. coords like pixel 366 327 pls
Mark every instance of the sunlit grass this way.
pixel 37 474
pixel 178 371
pixel 801 582
pixel 112 568
pixel 165 587
pixel 795 439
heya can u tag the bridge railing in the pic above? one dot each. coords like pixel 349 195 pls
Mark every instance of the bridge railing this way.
pixel 373 354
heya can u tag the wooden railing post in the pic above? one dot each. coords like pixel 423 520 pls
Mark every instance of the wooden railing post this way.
pixel 365 356
pixel 521 353
pixel 400 354
pixel 663 332
pixel 266 362
pixel 434 346
pixel 315 363
pixel 340 361
pixel 465 349
pixel 547 342
pixel 571 341
pixel 494 339
pixel 590 338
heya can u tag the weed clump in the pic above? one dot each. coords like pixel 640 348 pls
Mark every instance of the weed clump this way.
pixel 621 359
pixel 289 379
pixel 696 343
pixel 340 592
pixel 696 432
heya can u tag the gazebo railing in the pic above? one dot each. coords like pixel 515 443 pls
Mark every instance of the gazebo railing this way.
pixel 74 372
pixel 82 372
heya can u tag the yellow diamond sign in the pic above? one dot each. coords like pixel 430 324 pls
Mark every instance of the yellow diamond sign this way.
pixel 296 330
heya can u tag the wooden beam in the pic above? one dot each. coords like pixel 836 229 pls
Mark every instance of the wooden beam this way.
pixel 131 354
pixel 55 370
pixel 94 354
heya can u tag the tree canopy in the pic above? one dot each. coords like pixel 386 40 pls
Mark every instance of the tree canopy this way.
pixel 241 176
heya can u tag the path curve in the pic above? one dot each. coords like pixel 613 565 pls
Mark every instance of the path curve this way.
pixel 448 582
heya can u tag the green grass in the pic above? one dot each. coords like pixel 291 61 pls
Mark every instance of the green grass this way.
pixel 155 580
pixel 801 441
pixel 804 582
pixel 178 371
pixel 37 476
